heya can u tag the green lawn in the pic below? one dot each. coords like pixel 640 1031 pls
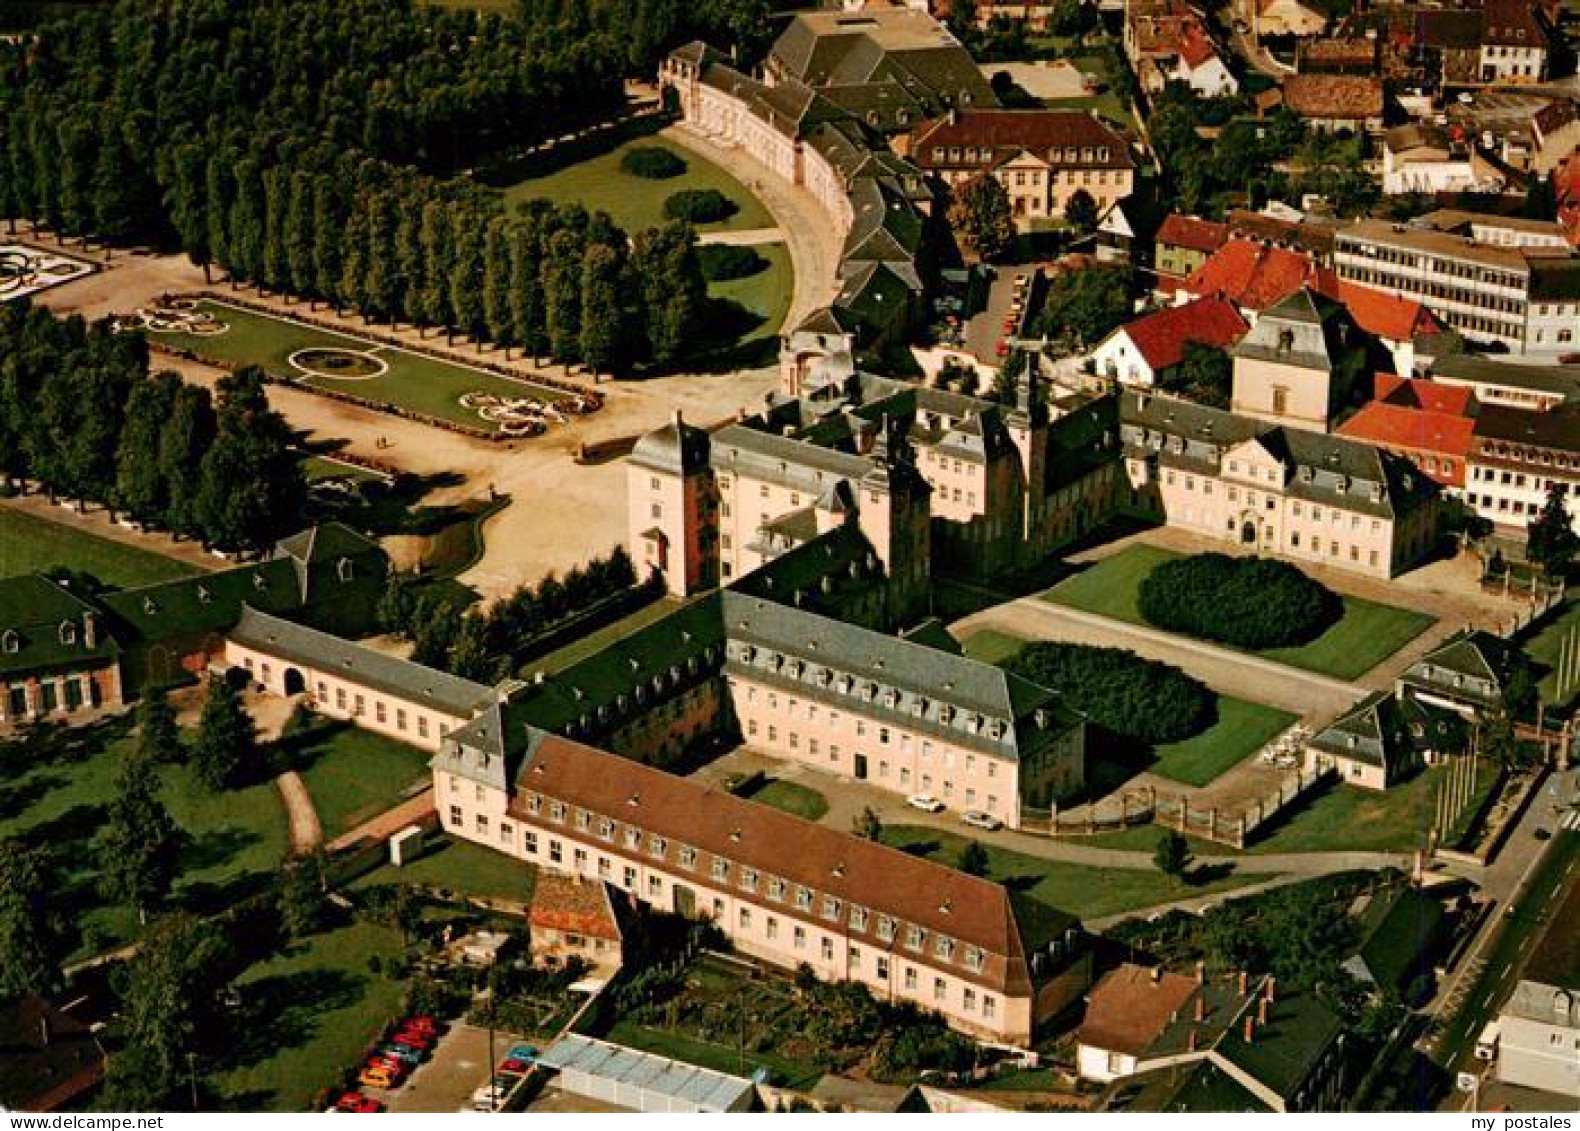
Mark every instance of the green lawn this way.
pixel 354 775
pixel 792 798
pixel 1366 635
pixel 766 294
pixel 29 544
pixel 1543 648
pixel 318 468
pixel 1079 889
pixel 310 1013
pixel 463 867
pixel 1242 727
pixel 1343 817
pixel 635 203
pixel 413 381
pixel 59 794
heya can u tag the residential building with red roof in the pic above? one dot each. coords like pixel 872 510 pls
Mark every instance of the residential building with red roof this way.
pixel 1166 41
pixel 1184 243
pixel 1516 43
pixel 1430 424
pixel 1041 157
pixel 1398 324
pixel 1146 352
pixel 575 917
pixel 1254 276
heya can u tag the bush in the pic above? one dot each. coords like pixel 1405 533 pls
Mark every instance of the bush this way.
pixel 1119 690
pixel 1247 602
pixel 652 162
pixel 699 206
pixel 725 261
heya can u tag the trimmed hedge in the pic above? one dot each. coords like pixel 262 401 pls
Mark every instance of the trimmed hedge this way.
pixel 699 206
pixel 721 261
pixel 1251 603
pixel 652 162
pixel 1121 691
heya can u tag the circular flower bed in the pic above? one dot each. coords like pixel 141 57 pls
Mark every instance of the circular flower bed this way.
pixel 339 364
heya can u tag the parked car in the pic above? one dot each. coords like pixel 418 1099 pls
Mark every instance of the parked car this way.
pixel 528 1053
pixel 926 802
pixel 510 1066
pixel 376 1076
pixel 389 1064
pixel 491 1095
pixel 357 1102
pixel 414 1038
pixel 980 820
pixel 403 1053
pixel 422 1024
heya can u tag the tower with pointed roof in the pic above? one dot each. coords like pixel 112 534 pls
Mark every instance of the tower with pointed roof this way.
pixel 1027 422
pixel 893 511
pixel 672 507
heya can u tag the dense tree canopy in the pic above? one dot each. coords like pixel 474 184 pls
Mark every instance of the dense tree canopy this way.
pixel 1084 306
pixel 1119 690
pixel 80 415
pixel 980 213
pixel 1247 602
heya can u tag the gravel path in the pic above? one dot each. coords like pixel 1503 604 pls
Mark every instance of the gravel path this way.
pixel 307 835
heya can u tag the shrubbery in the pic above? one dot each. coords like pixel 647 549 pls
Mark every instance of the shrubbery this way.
pixel 699 206
pixel 722 261
pixel 1119 690
pixel 652 162
pixel 1246 602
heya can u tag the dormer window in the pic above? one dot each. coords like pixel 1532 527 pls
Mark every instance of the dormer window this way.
pixel 67 632
pixel 10 641
pixel 915 937
pixel 858 919
pixel 260 582
pixel 149 607
pixel 203 594
pixel 345 570
pixel 803 899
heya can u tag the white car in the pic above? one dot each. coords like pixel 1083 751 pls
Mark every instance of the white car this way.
pixel 926 802
pixel 980 820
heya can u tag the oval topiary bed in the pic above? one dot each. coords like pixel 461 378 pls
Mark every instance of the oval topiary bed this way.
pixel 727 261
pixel 700 206
pixel 1117 689
pixel 1251 603
pixel 653 162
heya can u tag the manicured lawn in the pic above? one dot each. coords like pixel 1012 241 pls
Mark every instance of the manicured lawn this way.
pixel 354 775
pixel 1543 648
pixel 793 798
pixel 317 468
pixel 766 294
pixel 309 1014
pixel 1242 728
pixel 636 203
pixel 993 647
pixel 29 544
pixel 59 794
pixel 463 867
pixel 1366 635
pixel 1343 817
pixel 1079 889
pixel 413 381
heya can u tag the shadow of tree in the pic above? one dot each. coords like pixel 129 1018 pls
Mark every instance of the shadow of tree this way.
pixel 17 799
pixel 1204 874
pixel 283 1011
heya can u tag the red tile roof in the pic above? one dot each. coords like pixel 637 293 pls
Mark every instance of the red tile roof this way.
pixel 1347 97
pixel 1433 396
pixel 1192 232
pixel 1383 315
pixel 1195 48
pixel 1161 337
pixel 745 834
pixel 1255 277
pixel 1399 428
pixel 1132 1006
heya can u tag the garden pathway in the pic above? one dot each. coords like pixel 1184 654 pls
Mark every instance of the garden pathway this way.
pixel 409 812
pixel 1315 698
pixel 307 835
pixel 751 237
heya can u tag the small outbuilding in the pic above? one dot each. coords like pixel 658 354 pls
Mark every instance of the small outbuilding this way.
pixel 641 1081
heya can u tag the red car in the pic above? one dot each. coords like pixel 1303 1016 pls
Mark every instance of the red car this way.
pixel 513 1067
pixel 420 1041
pixel 357 1102
pixel 421 1024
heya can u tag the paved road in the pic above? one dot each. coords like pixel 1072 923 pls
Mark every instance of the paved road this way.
pixel 1525 881
pixel 1311 696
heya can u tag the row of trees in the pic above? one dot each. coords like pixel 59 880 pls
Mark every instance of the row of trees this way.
pixel 488 646
pixel 80 414
pixel 646 29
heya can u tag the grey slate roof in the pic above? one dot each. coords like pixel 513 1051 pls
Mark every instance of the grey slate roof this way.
pixel 677 448
pixel 1471 665
pixel 958 699
pixel 1373 732
pixel 43 627
pixel 1305 329
pixel 414 682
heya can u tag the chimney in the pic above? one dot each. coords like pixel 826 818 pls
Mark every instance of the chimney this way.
pixel 90 630
pixel 1156 974
pixel 1201 973
pixel 1242 983
pixel 1261 1012
pixel 1250 1029
pixel 1270 988
pixel 1201 1008
pixel 538 677
pixel 1190 1041
pixel 44 1034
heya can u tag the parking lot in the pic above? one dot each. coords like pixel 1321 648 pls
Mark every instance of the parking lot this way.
pixel 986 330
pixel 445 1082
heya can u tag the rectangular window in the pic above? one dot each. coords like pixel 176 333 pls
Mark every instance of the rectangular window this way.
pixel 798 937
pixel 507 833
pixel 529 842
pixel 455 814
pixel 940 989
pixel 422 726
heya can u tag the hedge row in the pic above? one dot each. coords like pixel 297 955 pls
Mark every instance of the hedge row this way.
pixel 1121 691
